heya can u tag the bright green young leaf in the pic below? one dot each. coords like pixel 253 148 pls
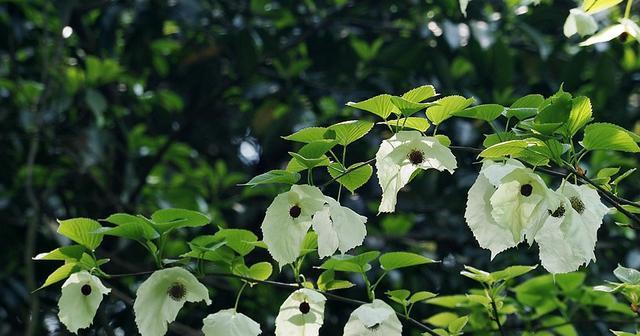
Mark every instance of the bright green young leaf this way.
pixel 241 241
pixel 594 6
pixel 394 260
pixel 129 226
pixel 421 296
pixel 486 112
pixel 307 135
pixel 495 138
pixel 174 218
pixel 525 107
pixel 556 110
pixel 420 93
pixel 446 107
pixel 349 263
pixel 259 271
pixel 309 244
pixel 299 163
pixel 358 174
pixel 274 176
pixel 605 136
pixel 443 140
pixel 350 131
pixel 516 148
pixel 604 175
pixel 579 116
pixel 456 326
pixel 209 248
pixel 442 319
pixel 64 253
pixel 327 282
pixel 477 274
pixel 60 274
pixel 512 272
pixel 623 176
pixel 380 105
pixel 416 123
pixel 399 296
pixel 311 155
pixel 408 108
pixel 81 231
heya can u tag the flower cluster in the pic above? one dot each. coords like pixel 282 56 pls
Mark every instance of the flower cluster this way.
pixel 509 203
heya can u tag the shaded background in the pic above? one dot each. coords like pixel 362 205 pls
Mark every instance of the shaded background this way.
pixel 111 106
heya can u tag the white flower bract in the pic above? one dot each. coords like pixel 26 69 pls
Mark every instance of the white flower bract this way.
pixel 338 228
pixel 401 155
pixel 301 314
pixel 162 295
pixel 81 296
pixel 607 34
pixel 579 22
pixel 288 219
pixel 373 319
pixel 568 237
pixel 228 322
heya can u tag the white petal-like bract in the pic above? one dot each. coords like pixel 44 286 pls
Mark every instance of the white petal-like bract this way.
pixel 287 221
pixel 579 22
pixel 301 314
pixel 162 295
pixel 228 322
pixel 568 237
pixel 81 296
pixel 401 155
pixel 338 228
pixel 373 319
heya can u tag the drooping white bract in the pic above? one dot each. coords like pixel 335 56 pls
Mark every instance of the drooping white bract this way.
pixel 568 237
pixel 579 22
pixel 401 155
pixel 338 228
pixel 81 296
pixel 506 203
pixel 288 219
pixel 373 319
pixel 228 322
pixel 626 26
pixel 162 295
pixel 301 314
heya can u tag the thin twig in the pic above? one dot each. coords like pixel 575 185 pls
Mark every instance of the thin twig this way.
pixel 496 316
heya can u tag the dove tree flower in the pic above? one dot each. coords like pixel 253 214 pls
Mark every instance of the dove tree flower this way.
pixel 568 237
pixel 373 319
pixel 162 295
pixel 338 228
pixel 81 296
pixel 401 155
pixel 288 219
pixel 301 314
pixel 506 203
pixel 231 323
pixel 624 28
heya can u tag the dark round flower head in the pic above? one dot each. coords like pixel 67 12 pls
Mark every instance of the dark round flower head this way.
pixel 295 211
pixel 416 157
pixel 86 289
pixel 526 190
pixel 304 307
pixel 177 291
pixel 577 204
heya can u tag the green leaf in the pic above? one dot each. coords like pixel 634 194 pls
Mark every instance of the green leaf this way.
pixel 443 139
pixel 327 282
pixel 274 176
pixel 477 274
pixel 486 112
pixel 350 263
pixel 494 138
pixel 65 253
pixel 241 241
pixel 60 274
pixel 623 176
pixel 604 175
pixel 174 218
pixel 605 136
pixel 557 109
pixel 594 6
pixel 350 131
pixel 312 155
pixel 307 135
pixel 531 149
pixel 380 105
pixel 408 108
pixel 355 178
pixel 456 326
pixel 81 231
pixel 627 275
pixel 309 244
pixel 512 272
pixel 579 116
pixel 209 248
pixel 416 123
pixel 260 271
pixel 129 226
pixel 525 107
pixel 394 260
pixel 399 296
pixel 446 107
pixel 442 319
pixel 420 93
pixel 421 296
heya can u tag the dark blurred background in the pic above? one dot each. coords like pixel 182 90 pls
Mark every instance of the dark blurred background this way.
pixel 110 106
